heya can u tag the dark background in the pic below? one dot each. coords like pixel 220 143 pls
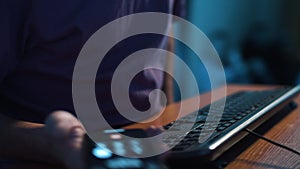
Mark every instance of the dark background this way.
pixel 258 41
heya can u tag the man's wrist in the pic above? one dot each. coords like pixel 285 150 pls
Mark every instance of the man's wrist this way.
pixel 24 141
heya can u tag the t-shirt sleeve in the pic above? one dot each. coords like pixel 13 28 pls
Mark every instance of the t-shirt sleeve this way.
pixel 180 8
pixel 4 40
pixel 13 16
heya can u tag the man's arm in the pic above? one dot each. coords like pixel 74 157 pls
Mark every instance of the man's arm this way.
pixel 57 142
pixel 23 140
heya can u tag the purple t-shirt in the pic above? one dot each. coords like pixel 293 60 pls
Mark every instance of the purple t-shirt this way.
pixel 41 41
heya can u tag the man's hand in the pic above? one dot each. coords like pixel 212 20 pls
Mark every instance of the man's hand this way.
pixel 57 143
pixel 66 136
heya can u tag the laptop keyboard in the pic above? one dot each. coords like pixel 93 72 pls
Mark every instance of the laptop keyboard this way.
pixel 242 109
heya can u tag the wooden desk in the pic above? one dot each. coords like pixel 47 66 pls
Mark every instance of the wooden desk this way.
pixel 263 155
pixel 260 154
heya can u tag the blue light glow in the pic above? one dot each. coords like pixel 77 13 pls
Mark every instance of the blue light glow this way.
pixel 102 152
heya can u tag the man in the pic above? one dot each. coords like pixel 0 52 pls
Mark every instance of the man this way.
pixel 41 41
